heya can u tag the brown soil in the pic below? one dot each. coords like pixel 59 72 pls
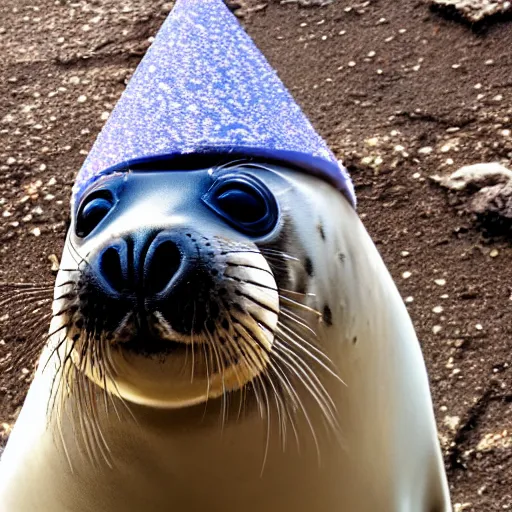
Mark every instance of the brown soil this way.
pixel 399 92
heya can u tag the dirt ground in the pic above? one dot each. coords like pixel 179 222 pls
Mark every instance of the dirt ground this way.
pixel 399 91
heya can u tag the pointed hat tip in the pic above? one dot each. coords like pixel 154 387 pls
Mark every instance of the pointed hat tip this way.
pixel 203 86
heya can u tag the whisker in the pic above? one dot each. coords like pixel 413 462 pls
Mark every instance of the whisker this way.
pixel 308 377
pixel 299 305
pixel 255 267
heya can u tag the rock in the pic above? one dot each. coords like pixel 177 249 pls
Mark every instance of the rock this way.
pixel 475 176
pixel 473 10
pixel 490 189
pixel 495 201
pixel 55 262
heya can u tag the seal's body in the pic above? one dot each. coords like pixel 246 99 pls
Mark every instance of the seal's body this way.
pixel 362 442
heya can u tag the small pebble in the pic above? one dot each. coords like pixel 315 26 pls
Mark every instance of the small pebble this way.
pixel 438 309
pixel 82 99
pixel 460 507
pixel 494 253
pixel 36 232
pixel 437 329
pixel 425 151
pixel 440 282
pixel 55 262
pixel 406 274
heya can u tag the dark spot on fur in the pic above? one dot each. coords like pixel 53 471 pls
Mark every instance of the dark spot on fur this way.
pixel 214 272
pixel 354 340
pixel 76 337
pixel 223 291
pixel 225 324
pixel 327 315
pixel 321 231
pixel 342 257
pixel 308 266
pixel 302 284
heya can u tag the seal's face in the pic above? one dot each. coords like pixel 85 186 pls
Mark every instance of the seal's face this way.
pixel 172 281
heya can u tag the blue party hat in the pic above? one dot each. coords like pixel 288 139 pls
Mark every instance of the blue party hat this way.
pixel 204 88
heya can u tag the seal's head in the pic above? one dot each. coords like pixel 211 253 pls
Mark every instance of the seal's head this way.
pixel 169 294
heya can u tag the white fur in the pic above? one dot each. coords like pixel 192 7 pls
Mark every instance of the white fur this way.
pixel 387 458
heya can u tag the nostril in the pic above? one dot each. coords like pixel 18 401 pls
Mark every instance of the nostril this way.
pixel 161 266
pixel 111 269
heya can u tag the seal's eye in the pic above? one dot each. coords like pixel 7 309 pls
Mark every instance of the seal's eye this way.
pixel 244 202
pixel 94 209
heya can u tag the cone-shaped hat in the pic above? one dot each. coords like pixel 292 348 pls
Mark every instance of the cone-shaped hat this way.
pixel 204 88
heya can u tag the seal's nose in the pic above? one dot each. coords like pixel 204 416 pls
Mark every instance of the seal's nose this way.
pixel 162 262
pixel 146 264
pixel 113 267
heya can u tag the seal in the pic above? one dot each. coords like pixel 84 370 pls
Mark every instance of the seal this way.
pixel 224 333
